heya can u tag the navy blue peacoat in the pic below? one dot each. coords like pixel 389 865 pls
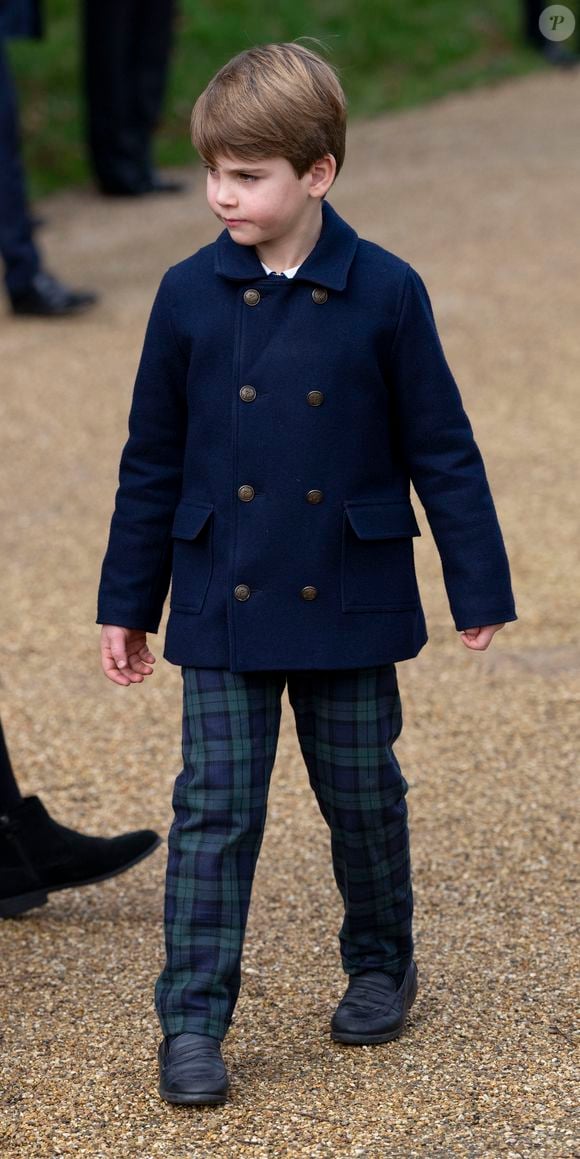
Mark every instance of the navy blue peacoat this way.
pixel 274 431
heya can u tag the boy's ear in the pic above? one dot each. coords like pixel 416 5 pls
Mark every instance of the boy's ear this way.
pixel 322 174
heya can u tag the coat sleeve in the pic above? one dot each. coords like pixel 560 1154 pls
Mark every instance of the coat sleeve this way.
pixel 136 570
pixel 435 437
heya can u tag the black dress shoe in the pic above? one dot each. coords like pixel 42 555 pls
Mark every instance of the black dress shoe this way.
pixel 161 184
pixel 39 856
pixel 192 1070
pixel 46 297
pixel 153 184
pixel 373 1008
pixel 560 56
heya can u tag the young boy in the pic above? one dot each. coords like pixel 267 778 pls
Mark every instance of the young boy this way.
pixel 292 385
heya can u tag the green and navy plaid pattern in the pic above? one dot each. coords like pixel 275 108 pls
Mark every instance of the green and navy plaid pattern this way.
pixel 347 722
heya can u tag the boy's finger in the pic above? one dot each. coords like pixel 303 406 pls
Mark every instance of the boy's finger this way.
pixel 471 633
pixel 126 677
pixel 111 671
pixel 111 666
pixel 476 644
pixel 137 665
pixel 118 652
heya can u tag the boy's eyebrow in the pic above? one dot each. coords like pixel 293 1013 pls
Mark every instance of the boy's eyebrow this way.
pixel 239 168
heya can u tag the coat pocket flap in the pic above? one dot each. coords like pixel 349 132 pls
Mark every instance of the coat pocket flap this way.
pixel 381 519
pixel 189 519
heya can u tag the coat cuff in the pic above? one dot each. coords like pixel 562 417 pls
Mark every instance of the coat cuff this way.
pixel 482 619
pixel 137 621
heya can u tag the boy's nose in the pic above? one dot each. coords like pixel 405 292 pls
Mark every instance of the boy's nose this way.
pixel 225 196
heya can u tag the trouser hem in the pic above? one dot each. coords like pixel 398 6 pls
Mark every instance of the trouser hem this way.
pixel 178 1025
pixel 394 966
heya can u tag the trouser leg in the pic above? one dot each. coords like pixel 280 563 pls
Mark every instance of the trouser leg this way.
pixel 231 724
pixel 9 792
pixel 114 151
pixel 126 46
pixel 532 10
pixel 149 66
pixel 347 722
pixel 17 247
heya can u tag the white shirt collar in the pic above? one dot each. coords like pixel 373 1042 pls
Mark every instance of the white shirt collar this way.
pixel 289 273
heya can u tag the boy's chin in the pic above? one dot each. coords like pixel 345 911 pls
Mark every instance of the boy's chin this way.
pixel 236 235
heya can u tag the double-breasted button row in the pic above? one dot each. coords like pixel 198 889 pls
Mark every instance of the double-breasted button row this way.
pixel 319 296
pixel 246 493
pixel 243 592
pixel 313 398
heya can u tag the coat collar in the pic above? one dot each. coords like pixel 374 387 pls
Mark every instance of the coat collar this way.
pixel 327 264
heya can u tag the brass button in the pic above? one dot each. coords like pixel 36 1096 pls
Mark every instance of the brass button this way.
pixel 247 393
pixel 242 592
pixel 319 296
pixel 246 492
pixel 315 397
pixel 309 593
pixel 251 297
pixel 314 496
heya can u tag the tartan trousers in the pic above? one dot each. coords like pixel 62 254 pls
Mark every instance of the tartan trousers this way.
pixel 347 721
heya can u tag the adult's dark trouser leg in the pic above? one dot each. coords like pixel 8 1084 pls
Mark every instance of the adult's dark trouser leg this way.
pixel 347 722
pixel 17 248
pixel 231 723
pixel 114 148
pixel 151 44
pixel 10 795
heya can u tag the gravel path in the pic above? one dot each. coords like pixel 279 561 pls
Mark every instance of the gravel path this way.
pixel 480 191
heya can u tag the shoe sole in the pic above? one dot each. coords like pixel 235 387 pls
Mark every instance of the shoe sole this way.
pixel 194 1098
pixel 388 1036
pixel 11 907
pixel 70 312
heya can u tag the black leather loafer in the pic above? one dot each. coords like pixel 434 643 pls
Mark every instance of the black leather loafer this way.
pixel 192 1070
pixel 373 1009
pixel 46 297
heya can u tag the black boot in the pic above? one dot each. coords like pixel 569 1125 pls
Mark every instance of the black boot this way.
pixel 37 856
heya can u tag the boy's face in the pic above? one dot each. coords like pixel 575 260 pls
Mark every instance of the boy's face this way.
pixel 262 201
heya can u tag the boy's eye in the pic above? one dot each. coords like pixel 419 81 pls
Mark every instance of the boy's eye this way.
pixel 243 176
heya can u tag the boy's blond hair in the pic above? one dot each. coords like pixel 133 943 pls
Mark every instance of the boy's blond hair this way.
pixel 273 100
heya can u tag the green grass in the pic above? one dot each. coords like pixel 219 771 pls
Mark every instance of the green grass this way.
pixel 389 55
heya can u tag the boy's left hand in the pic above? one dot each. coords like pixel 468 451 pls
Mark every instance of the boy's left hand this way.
pixel 478 639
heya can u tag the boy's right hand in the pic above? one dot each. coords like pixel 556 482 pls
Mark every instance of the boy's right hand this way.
pixel 125 657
